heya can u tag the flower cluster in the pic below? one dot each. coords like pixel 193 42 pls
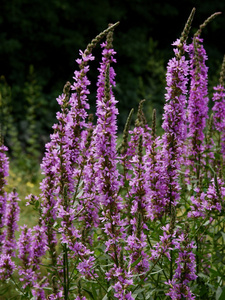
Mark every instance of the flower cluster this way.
pixel 174 122
pixel 197 104
pixel 113 220
pixel 12 217
pixel 205 202
pixel 219 110
pixel 185 271
pixel 4 167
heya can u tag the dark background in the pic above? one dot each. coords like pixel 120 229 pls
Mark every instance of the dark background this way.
pixel 40 40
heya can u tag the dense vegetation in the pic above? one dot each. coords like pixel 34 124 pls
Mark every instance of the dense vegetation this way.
pixel 39 40
pixel 137 217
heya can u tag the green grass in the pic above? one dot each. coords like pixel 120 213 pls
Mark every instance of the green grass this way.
pixel 25 185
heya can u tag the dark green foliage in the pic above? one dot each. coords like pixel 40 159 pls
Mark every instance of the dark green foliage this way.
pixel 49 34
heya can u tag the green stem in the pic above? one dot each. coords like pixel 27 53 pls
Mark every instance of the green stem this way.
pixel 17 286
pixel 146 275
pixel 65 272
pixel 197 259
pixel 171 265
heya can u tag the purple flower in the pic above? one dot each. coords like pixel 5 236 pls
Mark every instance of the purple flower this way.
pixel 164 246
pixel 123 280
pixel 198 103
pixel 26 252
pixel 12 217
pixel 4 168
pixel 174 124
pixel 85 267
pixel 57 296
pixel 80 298
pixel 211 200
pixel 174 116
pixel 219 107
pixel 32 246
pixel 39 245
pixel 104 143
pixel 7 266
pixel 186 268
pixel 156 185
pixel 219 111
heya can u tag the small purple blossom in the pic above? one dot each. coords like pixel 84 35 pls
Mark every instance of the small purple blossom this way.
pixel 185 271
pixel 85 267
pixel 4 169
pixel 80 298
pixel 198 103
pixel 174 124
pixel 211 200
pixel 57 296
pixel 123 280
pixel 12 217
pixel 26 256
pixel 219 111
pixel 7 266
pixel 39 245
pixel 164 246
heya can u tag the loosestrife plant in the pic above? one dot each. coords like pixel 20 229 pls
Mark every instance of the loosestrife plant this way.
pixel 140 220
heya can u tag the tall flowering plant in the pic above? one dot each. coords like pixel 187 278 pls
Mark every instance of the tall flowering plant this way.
pixel 140 220
pixel 218 116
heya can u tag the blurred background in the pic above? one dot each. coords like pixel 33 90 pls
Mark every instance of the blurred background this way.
pixel 40 40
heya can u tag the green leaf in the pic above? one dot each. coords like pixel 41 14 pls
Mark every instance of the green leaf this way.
pixel 136 262
pixel 89 293
pixel 223 235
pixel 94 291
pixel 160 270
pixel 139 291
pixel 37 204
pixel 203 275
pixel 214 272
pixel 3 291
pixel 106 295
pixel 218 292
pixel 222 295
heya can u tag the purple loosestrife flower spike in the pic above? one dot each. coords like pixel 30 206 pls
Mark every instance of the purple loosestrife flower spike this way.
pixel 26 256
pixel 88 206
pixel 198 99
pixel 59 185
pixel 185 271
pixel 12 217
pixel 139 190
pixel 56 166
pixel 78 100
pixel 164 246
pixel 7 266
pixel 104 135
pixel 4 169
pixel 71 237
pixel 209 201
pixel 32 246
pixel 63 158
pixel 39 246
pixel 107 177
pixel 174 122
pixel 174 118
pixel 219 111
pixel 61 153
pixel 155 180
